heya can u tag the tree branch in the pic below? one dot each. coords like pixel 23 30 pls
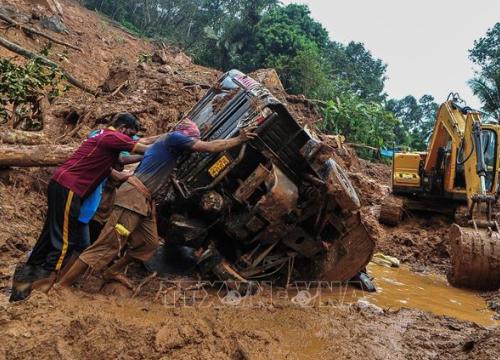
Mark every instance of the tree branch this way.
pixel 37 32
pixel 8 136
pixel 30 55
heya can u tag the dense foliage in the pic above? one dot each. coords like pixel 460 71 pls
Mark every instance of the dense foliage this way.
pixel 486 83
pixel 249 35
pixel 365 122
pixel 417 120
pixel 21 86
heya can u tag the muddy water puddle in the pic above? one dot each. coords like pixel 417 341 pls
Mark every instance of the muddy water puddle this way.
pixel 400 287
pixel 396 288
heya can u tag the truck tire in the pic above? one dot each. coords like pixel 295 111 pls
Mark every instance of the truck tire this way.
pixel 340 187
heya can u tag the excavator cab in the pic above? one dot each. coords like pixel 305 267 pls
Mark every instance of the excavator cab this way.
pixel 448 168
pixel 489 148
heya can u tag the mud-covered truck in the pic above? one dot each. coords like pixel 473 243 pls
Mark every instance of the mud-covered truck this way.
pixel 276 207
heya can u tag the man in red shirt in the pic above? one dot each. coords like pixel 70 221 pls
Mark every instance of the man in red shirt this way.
pixel 74 180
pixel 131 229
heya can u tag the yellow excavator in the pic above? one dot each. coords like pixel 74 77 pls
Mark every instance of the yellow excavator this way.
pixel 461 165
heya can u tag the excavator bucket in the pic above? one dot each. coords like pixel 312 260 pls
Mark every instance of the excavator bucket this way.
pixel 475 258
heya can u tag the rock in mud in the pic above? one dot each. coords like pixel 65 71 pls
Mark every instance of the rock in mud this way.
pixel 269 78
pixel 363 304
pixel 160 57
pixel 116 77
pixel 54 23
pixel 182 59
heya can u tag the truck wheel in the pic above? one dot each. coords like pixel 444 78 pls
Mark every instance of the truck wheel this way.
pixel 340 187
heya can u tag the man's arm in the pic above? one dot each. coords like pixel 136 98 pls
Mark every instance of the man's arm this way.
pixel 120 176
pixel 129 159
pixel 221 145
pixel 143 144
pixel 149 140
pixel 140 148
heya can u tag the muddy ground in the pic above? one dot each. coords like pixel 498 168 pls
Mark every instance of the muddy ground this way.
pixel 157 324
pixel 113 323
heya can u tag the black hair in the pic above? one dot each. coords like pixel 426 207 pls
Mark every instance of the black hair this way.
pixel 128 120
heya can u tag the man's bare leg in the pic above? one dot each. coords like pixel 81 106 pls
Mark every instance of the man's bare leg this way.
pixel 115 271
pixel 73 273
pixel 44 284
pixel 73 257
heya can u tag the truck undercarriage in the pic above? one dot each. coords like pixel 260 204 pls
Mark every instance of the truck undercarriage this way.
pixel 276 207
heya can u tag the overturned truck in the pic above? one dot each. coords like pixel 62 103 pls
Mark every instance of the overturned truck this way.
pixel 276 207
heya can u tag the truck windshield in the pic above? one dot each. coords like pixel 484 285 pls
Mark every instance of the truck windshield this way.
pixel 489 142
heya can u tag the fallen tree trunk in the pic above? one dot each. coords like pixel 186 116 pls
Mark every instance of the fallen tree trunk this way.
pixel 38 155
pixel 20 137
pixel 31 55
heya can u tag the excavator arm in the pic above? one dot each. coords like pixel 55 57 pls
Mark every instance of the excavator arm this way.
pixel 449 126
pixel 475 249
pixel 458 130
pixel 476 170
pixel 461 162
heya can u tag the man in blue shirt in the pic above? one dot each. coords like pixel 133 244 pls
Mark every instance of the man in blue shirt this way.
pixel 132 225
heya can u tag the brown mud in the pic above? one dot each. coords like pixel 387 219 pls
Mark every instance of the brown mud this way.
pixel 412 316
pixel 133 328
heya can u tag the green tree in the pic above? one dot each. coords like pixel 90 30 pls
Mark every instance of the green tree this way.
pixel 288 39
pixel 417 120
pixel 232 37
pixel 20 88
pixel 356 67
pixel 359 120
pixel 486 82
